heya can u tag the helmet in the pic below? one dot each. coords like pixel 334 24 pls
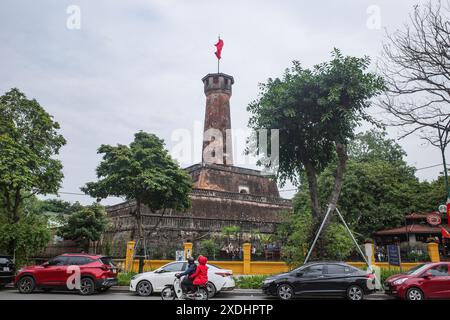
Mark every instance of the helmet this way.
pixel 191 260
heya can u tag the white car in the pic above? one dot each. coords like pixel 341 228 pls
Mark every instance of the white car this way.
pixel 144 284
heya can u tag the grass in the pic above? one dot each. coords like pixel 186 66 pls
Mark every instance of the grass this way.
pixel 125 278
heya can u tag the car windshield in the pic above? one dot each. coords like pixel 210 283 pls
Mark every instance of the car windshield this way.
pixel 416 270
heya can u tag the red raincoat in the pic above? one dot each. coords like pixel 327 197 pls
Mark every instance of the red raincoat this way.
pixel 200 275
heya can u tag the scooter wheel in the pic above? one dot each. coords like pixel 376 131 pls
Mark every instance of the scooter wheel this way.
pixel 168 294
pixel 202 294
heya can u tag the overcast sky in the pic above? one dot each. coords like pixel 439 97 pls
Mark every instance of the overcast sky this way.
pixel 137 65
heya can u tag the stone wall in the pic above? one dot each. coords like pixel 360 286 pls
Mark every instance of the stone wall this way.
pixel 211 211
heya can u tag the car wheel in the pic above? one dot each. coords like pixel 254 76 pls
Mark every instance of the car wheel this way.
pixel 414 294
pixel 285 292
pixel 355 293
pixel 211 288
pixel 26 285
pixel 87 286
pixel 144 288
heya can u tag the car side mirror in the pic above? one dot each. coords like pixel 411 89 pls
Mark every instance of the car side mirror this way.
pixel 428 275
pixel 46 264
pixel 299 274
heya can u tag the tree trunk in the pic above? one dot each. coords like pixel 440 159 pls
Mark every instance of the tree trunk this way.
pixel 313 188
pixel 341 151
pixel 139 225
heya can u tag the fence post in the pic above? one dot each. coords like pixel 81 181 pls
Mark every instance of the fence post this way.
pixel 369 249
pixel 246 247
pixel 188 250
pixel 129 256
pixel 433 252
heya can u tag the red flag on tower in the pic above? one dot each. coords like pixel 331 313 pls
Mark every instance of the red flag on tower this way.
pixel 219 46
pixel 445 233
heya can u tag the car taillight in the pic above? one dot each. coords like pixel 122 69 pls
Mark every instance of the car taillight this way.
pixel 105 267
pixel 370 276
pixel 223 274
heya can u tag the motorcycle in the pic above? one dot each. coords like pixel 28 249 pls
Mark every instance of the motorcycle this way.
pixel 174 291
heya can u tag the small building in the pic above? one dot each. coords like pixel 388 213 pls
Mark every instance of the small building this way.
pixel 418 228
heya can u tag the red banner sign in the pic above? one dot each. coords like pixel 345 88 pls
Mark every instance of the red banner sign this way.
pixel 448 213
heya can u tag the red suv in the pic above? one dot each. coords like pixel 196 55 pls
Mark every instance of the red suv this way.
pixel 96 273
pixel 425 281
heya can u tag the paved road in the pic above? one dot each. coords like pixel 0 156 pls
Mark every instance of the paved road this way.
pixel 12 294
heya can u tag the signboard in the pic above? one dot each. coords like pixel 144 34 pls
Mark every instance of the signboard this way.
pixel 179 255
pixel 394 255
pixel 434 219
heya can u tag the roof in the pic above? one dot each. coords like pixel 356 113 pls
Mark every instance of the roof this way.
pixel 94 256
pixel 414 228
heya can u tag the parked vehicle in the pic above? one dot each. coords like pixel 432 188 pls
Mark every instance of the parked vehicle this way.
pixel 7 270
pixel 425 281
pixel 97 273
pixel 175 291
pixel 146 283
pixel 321 279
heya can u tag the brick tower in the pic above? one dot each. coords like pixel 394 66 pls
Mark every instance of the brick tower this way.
pixel 217 144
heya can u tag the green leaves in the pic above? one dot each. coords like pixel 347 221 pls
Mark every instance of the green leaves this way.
pixel 314 109
pixel 143 171
pixel 29 140
pixel 87 224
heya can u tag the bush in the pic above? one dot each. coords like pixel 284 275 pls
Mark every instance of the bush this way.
pixel 339 245
pixel 209 248
pixel 249 282
pixel 125 278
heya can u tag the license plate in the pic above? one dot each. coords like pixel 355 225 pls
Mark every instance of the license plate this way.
pixel 6 269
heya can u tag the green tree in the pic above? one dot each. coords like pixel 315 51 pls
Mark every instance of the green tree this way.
pixel 379 188
pixel 145 172
pixel 30 234
pixel 85 225
pixel 29 140
pixel 60 206
pixel 316 111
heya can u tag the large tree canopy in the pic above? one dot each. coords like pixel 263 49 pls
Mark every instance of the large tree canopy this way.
pixel 379 188
pixel 143 171
pixel 316 111
pixel 29 140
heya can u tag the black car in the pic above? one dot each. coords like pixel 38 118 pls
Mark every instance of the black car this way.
pixel 7 270
pixel 321 279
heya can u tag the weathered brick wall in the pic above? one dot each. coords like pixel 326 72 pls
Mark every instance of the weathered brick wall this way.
pixel 230 178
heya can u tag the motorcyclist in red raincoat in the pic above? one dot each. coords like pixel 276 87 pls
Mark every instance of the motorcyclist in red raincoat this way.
pixel 200 276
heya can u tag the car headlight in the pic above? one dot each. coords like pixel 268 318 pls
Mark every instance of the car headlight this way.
pixel 399 281
pixel 267 281
pixel 134 277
